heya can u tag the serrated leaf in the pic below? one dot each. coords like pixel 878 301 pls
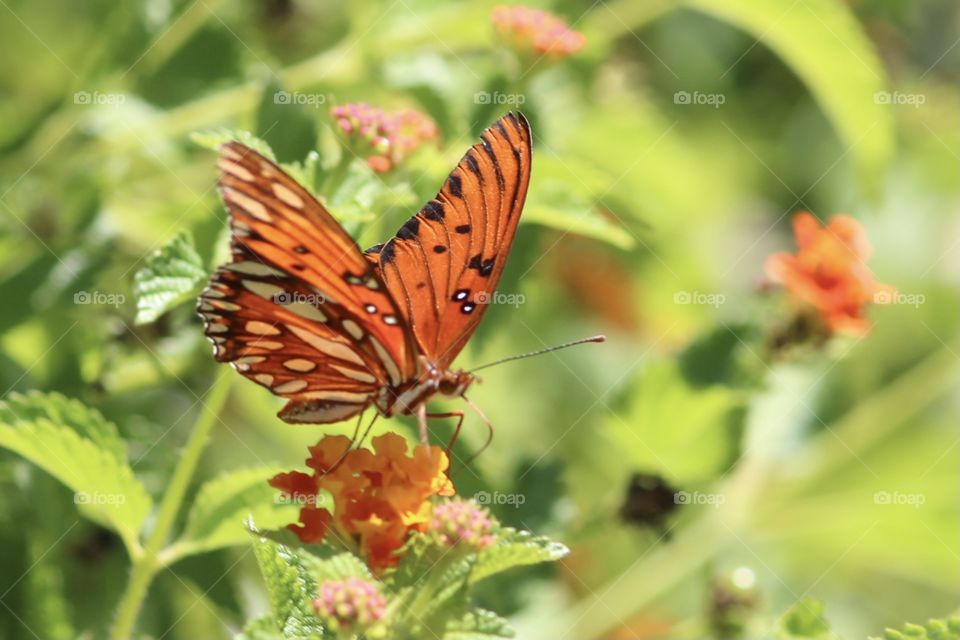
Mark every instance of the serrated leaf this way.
pixel 213 139
pixel 172 275
pixel 223 505
pixel 58 409
pixel 805 619
pixel 515 549
pixel 335 567
pixel 105 487
pixel 479 624
pixel 290 588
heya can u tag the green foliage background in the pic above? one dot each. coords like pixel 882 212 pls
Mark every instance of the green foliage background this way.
pixel 635 198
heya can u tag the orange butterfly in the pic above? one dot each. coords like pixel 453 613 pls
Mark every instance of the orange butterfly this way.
pixel 303 311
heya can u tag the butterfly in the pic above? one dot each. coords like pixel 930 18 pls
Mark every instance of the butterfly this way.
pixel 334 330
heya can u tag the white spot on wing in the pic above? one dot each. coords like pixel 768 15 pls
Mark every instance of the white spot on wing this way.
pixel 261 329
pixel 252 268
pixel 290 387
pixel 287 196
pixel 227 166
pixel 323 345
pixel 392 370
pixel 300 364
pixel 265 290
pixel 306 310
pixel 353 374
pixel 353 329
pixel 264 378
pixel 248 204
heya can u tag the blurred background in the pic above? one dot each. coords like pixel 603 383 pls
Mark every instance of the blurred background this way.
pixel 704 482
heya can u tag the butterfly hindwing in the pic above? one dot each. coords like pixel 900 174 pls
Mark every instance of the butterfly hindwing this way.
pixel 444 263
pixel 300 310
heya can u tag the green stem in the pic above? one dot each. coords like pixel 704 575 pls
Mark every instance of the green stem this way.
pixel 145 567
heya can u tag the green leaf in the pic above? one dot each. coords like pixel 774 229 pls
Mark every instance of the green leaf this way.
pixel 287 121
pixel 54 407
pixel 514 549
pixel 557 205
pixel 704 425
pixel 478 624
pixel 336 567
pixel 105 488
pixel 290 588
pixel 172 276
pixel 822 41
pixel 213 139
pixel 223 505
pixel 943 629
pixel 264 628
pixel 805 619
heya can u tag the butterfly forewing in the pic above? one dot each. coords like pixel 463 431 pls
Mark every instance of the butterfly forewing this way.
pixel 444 264
pixel 299 310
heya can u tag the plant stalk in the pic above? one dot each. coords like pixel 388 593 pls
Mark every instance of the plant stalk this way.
pixel 148 564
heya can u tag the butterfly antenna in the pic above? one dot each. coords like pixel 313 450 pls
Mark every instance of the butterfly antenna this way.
pixel 539 352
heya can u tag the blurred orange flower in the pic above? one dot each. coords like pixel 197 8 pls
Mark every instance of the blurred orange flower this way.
pixel 829 271
pixel 379 496
pixel 535 31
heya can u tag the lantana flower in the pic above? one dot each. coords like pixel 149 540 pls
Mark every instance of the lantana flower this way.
pixel 350 605
pixel 536 32
pixel 379 496
pixel 385 138
pixel 463 524
pixel 829 273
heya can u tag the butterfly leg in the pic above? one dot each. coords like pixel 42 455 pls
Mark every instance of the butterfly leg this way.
pixel 422 422
pixel 354 443
pixel 487 422
pixel 459 415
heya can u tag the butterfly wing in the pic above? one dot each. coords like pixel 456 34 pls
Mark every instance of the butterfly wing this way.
pixel 444 264
pixel 299 310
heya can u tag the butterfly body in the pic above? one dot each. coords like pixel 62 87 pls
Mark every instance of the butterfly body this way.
pixel 303 311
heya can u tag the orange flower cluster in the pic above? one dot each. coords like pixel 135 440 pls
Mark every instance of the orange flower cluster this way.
pixel 829 271
pixel 387 137
pixel 538 32
pixel 379 496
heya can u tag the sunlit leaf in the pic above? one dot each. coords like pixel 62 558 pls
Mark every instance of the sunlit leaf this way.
pixel 172 275
pixel 105 489
pixel 218 515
